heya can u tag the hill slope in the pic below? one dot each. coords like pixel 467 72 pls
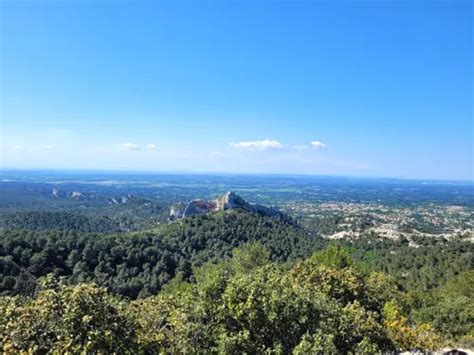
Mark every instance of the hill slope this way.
pixel 138 264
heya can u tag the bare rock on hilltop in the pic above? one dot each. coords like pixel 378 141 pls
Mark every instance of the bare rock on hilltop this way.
pixel 230 200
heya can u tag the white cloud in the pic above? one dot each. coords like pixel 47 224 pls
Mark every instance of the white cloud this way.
pixel 130 146
pixel 45 147
pixel 318 145
pixel 265 144
pixel 151 146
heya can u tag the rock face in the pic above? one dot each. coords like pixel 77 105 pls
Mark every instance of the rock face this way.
pixel 229 200
pixel 176 211
pixel 197 207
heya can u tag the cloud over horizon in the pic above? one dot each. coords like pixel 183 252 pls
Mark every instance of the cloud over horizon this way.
pixel 265 144
pixel 130 146
pixel 318 145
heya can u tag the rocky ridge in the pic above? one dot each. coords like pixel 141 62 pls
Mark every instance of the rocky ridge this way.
pixel 228 201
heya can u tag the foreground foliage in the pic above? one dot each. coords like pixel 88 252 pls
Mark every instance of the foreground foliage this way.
pixel 243 305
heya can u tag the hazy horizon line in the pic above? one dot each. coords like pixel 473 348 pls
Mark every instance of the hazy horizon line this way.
pixel 217 173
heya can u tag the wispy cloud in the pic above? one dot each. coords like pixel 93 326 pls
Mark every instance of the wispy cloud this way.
pixel 130 146
pixel 150 146
pixel 265 144
pixel 318 145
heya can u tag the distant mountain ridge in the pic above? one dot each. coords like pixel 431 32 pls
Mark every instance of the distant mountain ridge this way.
pixel 230 200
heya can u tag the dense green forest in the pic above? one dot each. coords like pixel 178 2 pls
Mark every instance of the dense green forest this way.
pixel 116 219
pixel 68 221
pixel 184 287
pixel 139 264
pixel 245 304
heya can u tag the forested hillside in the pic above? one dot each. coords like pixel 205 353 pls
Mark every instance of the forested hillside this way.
pixel 67 221
pixel 245 304
pixel 139 264
pixel 183 275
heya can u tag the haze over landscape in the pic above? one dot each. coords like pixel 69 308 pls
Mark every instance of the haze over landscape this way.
pixel 342 88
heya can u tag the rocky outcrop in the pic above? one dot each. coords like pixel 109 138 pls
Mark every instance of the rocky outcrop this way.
pixel 197 207
pixel 176 211
pixel 229 200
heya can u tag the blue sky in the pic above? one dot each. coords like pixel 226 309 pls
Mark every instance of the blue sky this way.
pixel 364 88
